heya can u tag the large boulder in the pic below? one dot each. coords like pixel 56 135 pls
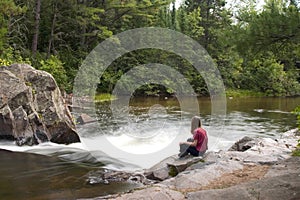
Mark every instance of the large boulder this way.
pixel 32 107
pixel 170 167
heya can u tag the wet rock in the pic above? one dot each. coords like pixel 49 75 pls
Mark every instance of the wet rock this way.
pixel 106 176
pixel 243 144
pixel 30 101
pixel 7 123
pixel 22 123
pixel 40 136
pixel 20 141
pixel 84 119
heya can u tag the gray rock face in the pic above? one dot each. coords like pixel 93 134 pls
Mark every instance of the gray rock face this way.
pixel 242 145
pixel 196 179
pixel 153 193
pixel 32 108
pixel 85 119
pixel 276 188
pixel 170 167
pixel 7 127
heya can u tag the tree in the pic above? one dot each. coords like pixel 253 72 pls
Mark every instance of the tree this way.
pixel 36 27
pixel 271 37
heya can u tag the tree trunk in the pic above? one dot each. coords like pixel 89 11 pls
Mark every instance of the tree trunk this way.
pixel 52 32
pixel 36 27
pixel 83 31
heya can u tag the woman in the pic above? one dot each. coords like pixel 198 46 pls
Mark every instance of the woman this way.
pixel 197 145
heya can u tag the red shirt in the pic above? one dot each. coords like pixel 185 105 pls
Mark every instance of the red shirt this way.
pixel 201 137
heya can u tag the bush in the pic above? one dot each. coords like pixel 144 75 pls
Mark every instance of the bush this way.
pixel 10 56
pixel 268 76
pixel 55 67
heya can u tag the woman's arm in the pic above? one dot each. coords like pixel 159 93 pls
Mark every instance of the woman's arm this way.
pixel 194 143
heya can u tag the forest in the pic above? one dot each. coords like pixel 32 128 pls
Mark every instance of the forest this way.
pixel 256 49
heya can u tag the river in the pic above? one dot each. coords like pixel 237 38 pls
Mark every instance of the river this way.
pixel 149 132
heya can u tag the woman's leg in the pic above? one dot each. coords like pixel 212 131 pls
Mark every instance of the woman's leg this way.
pixel 193 151
pixel 183 150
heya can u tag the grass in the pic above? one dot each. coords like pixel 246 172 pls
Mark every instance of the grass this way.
pixel 243 93
pixel 104 97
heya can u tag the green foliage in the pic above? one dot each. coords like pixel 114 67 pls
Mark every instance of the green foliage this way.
pixel 297 112
pixel 8 9
pixel 173 171
pixel 243 93
pixel 104 97
pixel 10 56
pixel 55 67
pixel 267 75
pixel 256 51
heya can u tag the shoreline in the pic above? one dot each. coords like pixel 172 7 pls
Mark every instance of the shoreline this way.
pixel 263 164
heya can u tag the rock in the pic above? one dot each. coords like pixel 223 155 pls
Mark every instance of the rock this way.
pixel 160 170
pixel 198 178
pixel 40 136
pixel 22 123
pixel 32 109
pixel 180 165
pixel 242 145
pixel 288 166
pixel 153 193
pixel 20 141
pixel 7 123
pixel 276 188
pixel 170 167
pixel 161 174
pixel 84 119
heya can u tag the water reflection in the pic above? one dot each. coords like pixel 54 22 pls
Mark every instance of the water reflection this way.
pixel 31 176
pixel 272 115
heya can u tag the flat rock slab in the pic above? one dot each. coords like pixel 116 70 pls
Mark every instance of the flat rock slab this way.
pixel 288 166
pixel 152 193
pixel 198 178
pixel 273 188
pixel 183 163
pixel 171 165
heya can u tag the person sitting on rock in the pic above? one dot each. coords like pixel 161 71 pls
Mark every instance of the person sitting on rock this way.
pixel 197 145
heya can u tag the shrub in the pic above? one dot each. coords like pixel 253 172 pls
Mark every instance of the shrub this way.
pixel 55 67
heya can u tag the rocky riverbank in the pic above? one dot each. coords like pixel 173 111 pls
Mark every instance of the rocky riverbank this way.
pixel 32 109
pixel 253 168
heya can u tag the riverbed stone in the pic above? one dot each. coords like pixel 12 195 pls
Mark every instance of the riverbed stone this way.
pixel 283 167
pixel 170 167
pixel 243 144
pixel 153 193
pixel 196 179
pixel 7 123
pixel 276 188
pixel 85 118
pixel 36 103
pixel 22 128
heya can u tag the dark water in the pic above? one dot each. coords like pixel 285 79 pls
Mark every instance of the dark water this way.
pixel 32 176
